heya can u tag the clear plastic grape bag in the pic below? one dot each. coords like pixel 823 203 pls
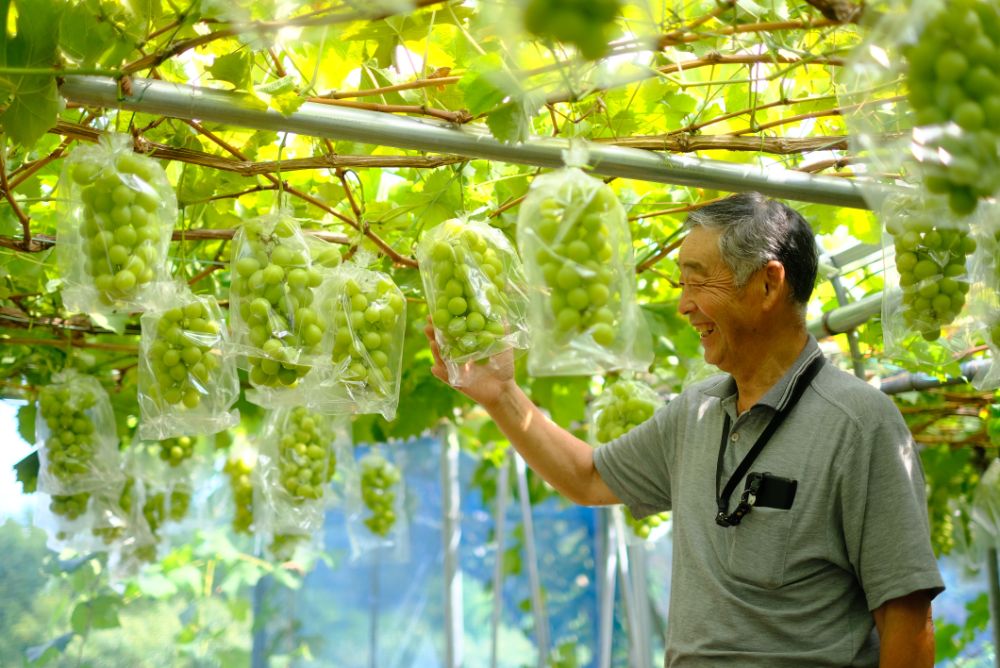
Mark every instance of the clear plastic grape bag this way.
pixel 575 242
pixel 187 380
pixel 623 405
pixel 118 214
pixel 985 514
pixel 76 435
pixel 239 469
pixel 298 457
pixel 476 293
pixel 923 97
pixel 985 302
pixel 276 328
pixel 925 315
pixel 367 316
pixel 376 517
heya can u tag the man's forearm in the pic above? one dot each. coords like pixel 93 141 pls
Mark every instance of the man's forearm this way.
pixel 561 459
pixel 906 632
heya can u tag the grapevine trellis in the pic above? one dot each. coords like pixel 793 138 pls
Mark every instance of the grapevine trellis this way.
pixel 363 129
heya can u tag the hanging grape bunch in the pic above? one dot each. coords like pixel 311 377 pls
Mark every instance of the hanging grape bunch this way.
pixel 930 259
pixel 954 75
pixel 587 24
pixel 239 471
pixel 125 217
pixel 175 451
pixel 272 291
pixel 625 405
pixel 378 481
pixel 70 506
pixel 72 444
pixel 366 315
pixel 467 278
pixel 183 354
pixel 574 259
pixel 305 454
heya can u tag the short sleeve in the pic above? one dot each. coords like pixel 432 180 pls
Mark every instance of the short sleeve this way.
pixel 883 507
pixel 635 466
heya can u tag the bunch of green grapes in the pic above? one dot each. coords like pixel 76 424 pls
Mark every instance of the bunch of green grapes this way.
pixel 305 457
pixel 121 228
pixel 587 24
pixel 627 408
pixel 177 450
pixel 70 506
pixel 930 260
pixel 626 405
pixel 644 527
pixel 272 284
pixel 283 545
pixel 365 320
pixel 161 507
pixel 378 480
pixel 468 280
pixel 183 356
pixel 240 482
pixel 72 442
pixel 954 75
pixel 575 260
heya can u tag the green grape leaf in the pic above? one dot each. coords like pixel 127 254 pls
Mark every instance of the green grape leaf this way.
pixel 26 422
pixel 511 123
pixel 100 612
pixel 287 103
pixel 487 84
pixel 85 33
pixel 27 473
pixel 233 68
pixel 35 104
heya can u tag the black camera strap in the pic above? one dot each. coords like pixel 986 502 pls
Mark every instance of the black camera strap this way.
pixel 724 517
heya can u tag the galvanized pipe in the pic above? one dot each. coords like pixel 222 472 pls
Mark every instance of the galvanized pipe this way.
pixel 372 127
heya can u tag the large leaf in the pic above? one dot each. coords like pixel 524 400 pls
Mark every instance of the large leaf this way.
pixel 44 653
pixel 27 473
pixel 100 612
pixel 26 421
pixel 35 101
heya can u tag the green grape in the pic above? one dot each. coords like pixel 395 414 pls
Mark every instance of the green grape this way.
pixel 305 454
pixel 587 24
pixel 272 291
pixel 283 545
pixel 954 76
pixel 70 506
pixel 378 480
pixel 71 447
pixel 575 253
pixel 183 356
pixel 121 226
pixel 930 260
pixel 177 450
pixel 239 472
pixel 467 277
pixel 365 313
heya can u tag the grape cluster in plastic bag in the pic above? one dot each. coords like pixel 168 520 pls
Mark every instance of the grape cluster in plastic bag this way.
pixel 575 241
pixel 187 380
pixel 475 289
pixel 113 239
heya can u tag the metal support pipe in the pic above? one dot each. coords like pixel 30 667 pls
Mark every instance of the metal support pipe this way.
pixel 451 534
pixel 638 647
pixel 639 562
pixel 846 318
pixel 607 567
pixel 537 600
pixel 372 127
pixel 500 534
pixel 994 597
pixel 906 382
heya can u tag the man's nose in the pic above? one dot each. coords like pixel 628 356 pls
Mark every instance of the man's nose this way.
pixel 685 305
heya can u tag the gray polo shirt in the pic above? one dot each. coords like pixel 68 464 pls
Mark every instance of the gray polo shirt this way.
pixel 786 587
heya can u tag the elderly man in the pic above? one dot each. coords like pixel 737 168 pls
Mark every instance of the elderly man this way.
pixel 800 535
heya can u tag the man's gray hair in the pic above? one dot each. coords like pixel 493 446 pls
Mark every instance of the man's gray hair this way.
pixel 754 231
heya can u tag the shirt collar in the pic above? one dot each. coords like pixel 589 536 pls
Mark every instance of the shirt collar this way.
pixel 778 395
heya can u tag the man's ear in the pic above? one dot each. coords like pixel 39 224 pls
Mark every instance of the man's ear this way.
pixel 775 286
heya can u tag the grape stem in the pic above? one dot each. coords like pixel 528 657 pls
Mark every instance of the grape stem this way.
pixel 9 196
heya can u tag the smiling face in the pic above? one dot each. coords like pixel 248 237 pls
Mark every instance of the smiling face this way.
pixel 725 316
